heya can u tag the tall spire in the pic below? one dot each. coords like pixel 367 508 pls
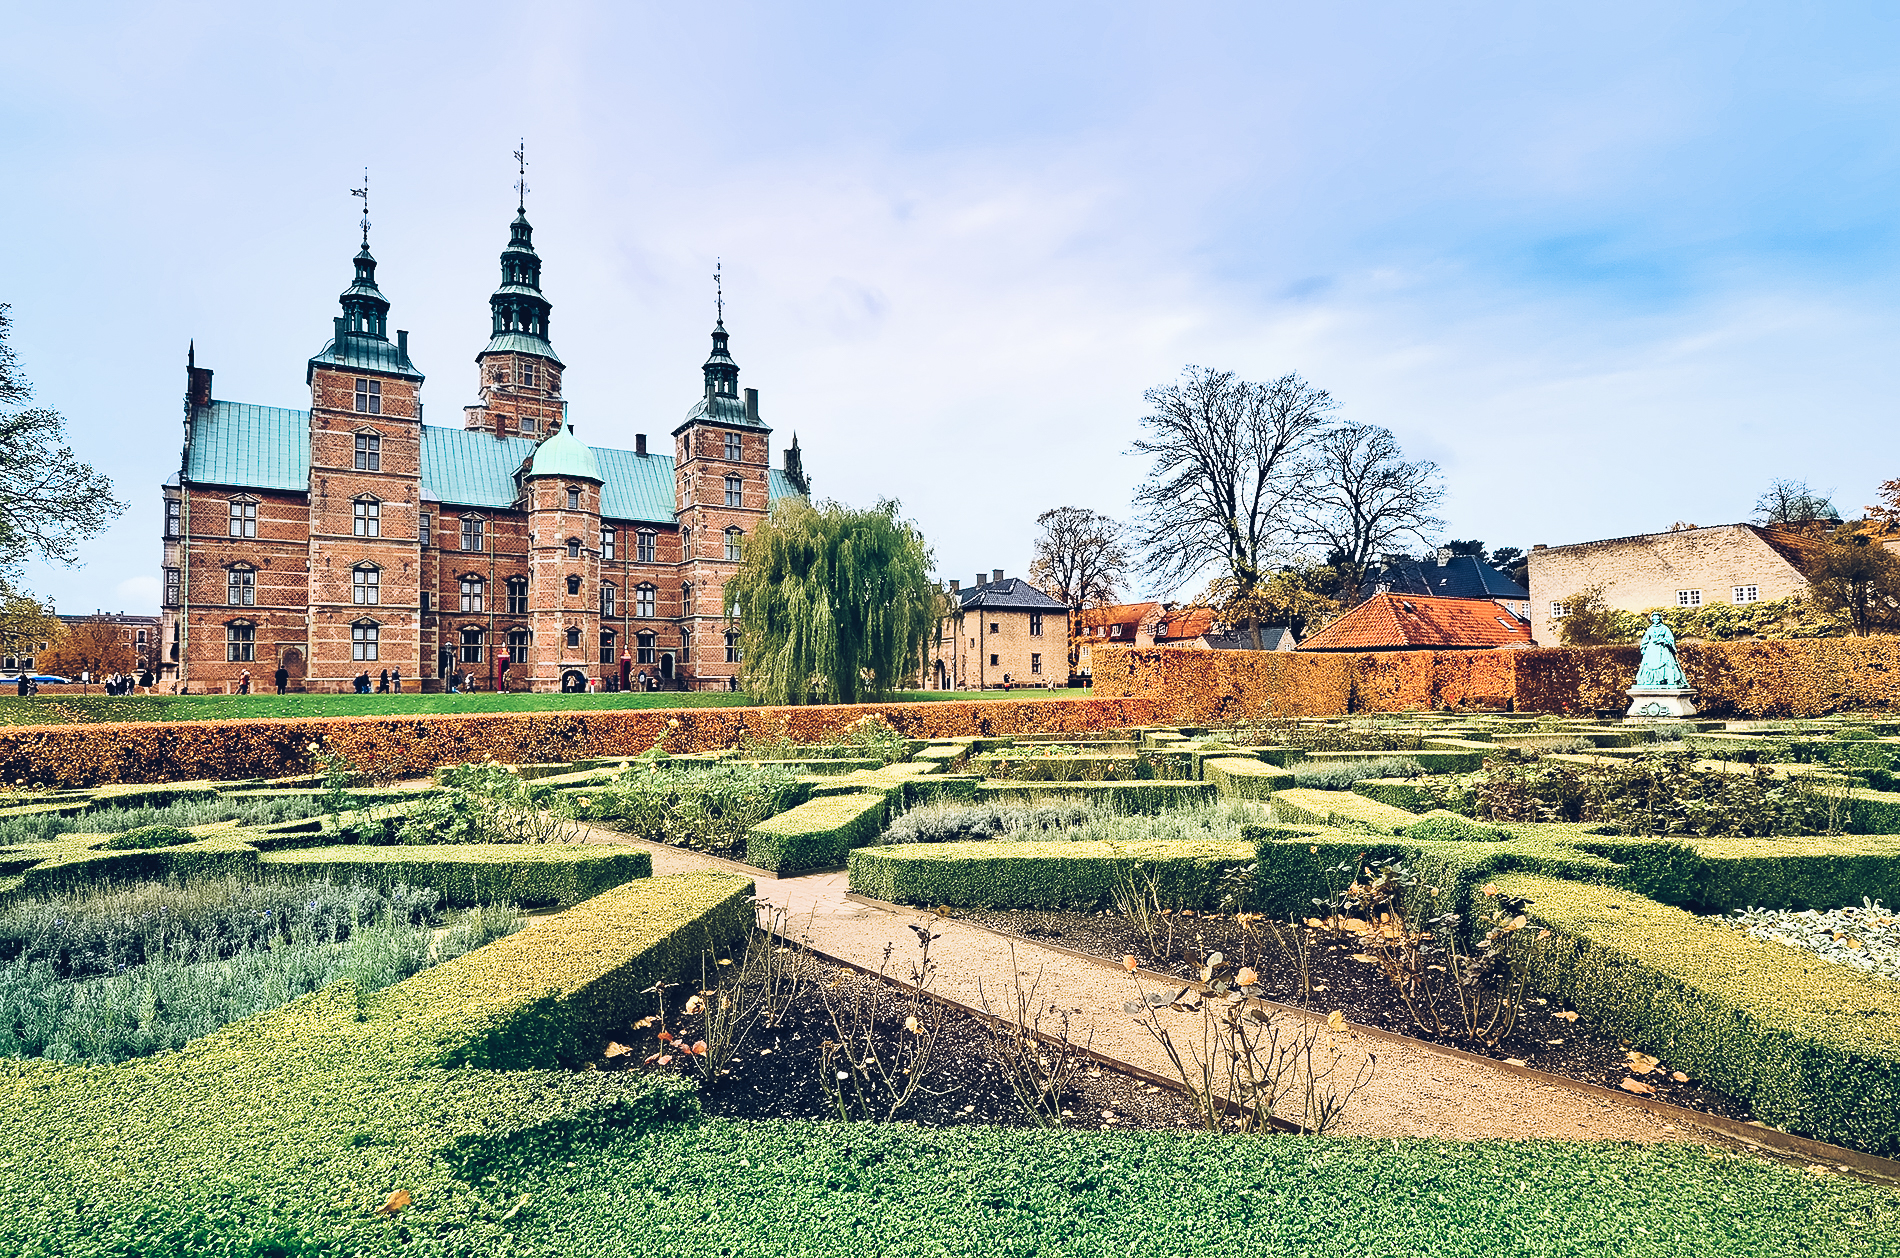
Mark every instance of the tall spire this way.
pixel 363 193
pixel 521 180
pixel 362 331
pixel 722 374
pixel 519 311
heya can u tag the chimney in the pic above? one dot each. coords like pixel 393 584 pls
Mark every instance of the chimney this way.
pixel 1540 546
pixel 402 345
pixel 640 444
pixel 752 405
pixel 996 577
pixel 980 580
pixel 1443 556
pixel 953 585
pixel 337 348
pixel 197 383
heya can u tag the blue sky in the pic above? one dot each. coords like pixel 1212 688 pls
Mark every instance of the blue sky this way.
pixel 1611 268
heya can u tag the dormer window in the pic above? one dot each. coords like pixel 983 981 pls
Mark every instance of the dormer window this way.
pixel 573 500
pixel 369 398
pixel 369 449
pixel 369 517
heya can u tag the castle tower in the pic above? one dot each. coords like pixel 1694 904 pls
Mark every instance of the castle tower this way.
pixel 721 458
pixel 364 490
pixel 562 492
pixel 520 373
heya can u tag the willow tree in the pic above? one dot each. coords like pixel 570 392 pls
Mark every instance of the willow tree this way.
pixel 833 605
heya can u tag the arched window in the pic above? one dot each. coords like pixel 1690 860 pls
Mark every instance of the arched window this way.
pixel 241 586
pixel 472 594
pixel 573 636
pixel 517 596
pixel 472 641
pixel 369 517
pixel 734 492
pixel 732 646
pixel 607 641
pixel 369 448
pixel 686 599
pixel 573 548
pixel 573 584
pixel 573 503
pixel 240 642
pixel 732 545
pixel 606 543
pixel 644 642
pixel 606 600
pixel 644 553
pixel 643 600
pixel 364 639
pixel 366 586
pixel 243 517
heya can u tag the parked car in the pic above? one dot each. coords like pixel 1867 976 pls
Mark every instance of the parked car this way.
pixel 48 678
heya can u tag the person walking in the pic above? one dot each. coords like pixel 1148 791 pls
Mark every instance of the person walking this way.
pixel 244 682
pixel 282 678
pixel 382 683
pixel 25 685
pixel 395 681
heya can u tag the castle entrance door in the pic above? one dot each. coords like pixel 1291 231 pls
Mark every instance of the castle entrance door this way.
pixel 293 663
pixel 666 666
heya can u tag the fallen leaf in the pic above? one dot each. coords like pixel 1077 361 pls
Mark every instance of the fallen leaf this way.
pixel 1215 959
pixel 1567 1015
pixel 398 1200
pixel 1679 1077
pixel 699 1049
pixel 1315 923
pixel 616 1050
pixel 1640 1063
pixel 1516 1061
pixel 644 1023
pixel 1246 977
pixel 694 1005
pixel 1635 1085
pixel 1336 1020
pixel 912 1025
pixel 666 1037
pixel 1128 963
pixel 1360 956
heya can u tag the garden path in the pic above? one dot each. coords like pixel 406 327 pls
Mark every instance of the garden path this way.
pixel 1414 1092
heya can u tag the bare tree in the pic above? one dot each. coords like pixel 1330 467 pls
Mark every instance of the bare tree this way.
pixel 1080 559
pixel 1790 504
pixel 1359 495
pixel 1220 491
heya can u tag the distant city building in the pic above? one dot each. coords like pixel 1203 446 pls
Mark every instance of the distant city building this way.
pixel 1004 631
pixel 351 537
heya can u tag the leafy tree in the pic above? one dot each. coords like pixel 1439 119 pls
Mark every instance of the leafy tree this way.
pixel 1221 490
pixel 1886 512
pixel 1294 596
pixel 1473 547
pixel 1359 495
pixel 1857 579
pixel 1081 559
pixel 1790 504
pixel 25 624
pixel 49 501
pixel 1590 621
pixel 95 647
pixel 833 604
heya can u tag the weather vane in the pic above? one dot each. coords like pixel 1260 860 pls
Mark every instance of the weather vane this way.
pixel 363 192
pixel 521 182
pixel 719 293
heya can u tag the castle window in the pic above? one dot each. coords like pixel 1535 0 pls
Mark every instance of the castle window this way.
pixel 686 543
pixel 369 452
pixel 471 533
pixel 644 546
pixel 686 645
pixel 732 647
pixel 369 401
pixel 426 601
pixel 573 637
pixel 734 486
pixel 174 511
pixel 573 584
pixel 686 599
pixel 365 638
pixel 606 600
pixel 171 587
pixel 1747 593
pixel 471 594
pixel 732 447
pixel 517 596
pixel 369 517
pixel 518 645
pixel 243 517
pixel 573 500
pixel 573 548
pixel 643 601
pixel 241 586
pixel 527 375
pixel 644 644
pixel 606 646
pixel 141 637
pixel 422 527
pixel 240 643
pixel 526 424
pixel 472 640
pixel 1035 663
pixel 606 543
pixel 733 537
pixel 367 585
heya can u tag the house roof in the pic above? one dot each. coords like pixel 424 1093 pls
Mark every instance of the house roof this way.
pixel 1187 622
pixel 1460 576
pixel 1272 638
pixel 1393 622
pixel 563 454
pixel 1119 614
pixel 268 447
pixel 1011 594
pixel 1801 550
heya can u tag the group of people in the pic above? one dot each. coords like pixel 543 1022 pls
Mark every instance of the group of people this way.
pixel 385 683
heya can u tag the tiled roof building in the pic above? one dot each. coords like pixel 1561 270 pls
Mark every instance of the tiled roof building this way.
pixel 1394 622
pixel 1444 576
pixel 352 537
pixel 1004 632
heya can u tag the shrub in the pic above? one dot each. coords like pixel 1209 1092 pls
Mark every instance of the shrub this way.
pixel 816 834
pixel 953 823
pixel 1131 797
pixel 488 802
pixel 1049 874
pixel 707 807
pixel 1245 779
pixel 1338 808
pixel 146 838
pixel 1341 775
pixel 531 876
pixel 1662 794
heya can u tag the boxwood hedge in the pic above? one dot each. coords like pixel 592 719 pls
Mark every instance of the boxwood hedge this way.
pixel 1059 874
pixel 816 834
pixel 532 875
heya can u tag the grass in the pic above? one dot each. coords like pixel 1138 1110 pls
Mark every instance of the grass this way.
pixel 92 710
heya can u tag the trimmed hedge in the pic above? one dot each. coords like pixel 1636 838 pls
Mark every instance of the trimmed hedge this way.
pixel 817 834
pixel 1081 767
pixel 1404 793
pixel 1131 797
pixel 1058 874
pixel 1245 779
pixel 1305 807
pixel 1442 760
pixel 1812 1045
pixel 529 874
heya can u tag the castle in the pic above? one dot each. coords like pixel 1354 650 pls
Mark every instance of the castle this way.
pixel 353 537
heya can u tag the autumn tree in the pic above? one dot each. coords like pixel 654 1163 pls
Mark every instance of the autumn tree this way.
pixel 49 500
pixel 1858 579
pixel 95 647
pixel 1885 514
pixel 1221 490
pixel 1359 496
pixel 1790 504
pixel 833 604
pixel 1589 620
pixel 1081 559
pixel 25 625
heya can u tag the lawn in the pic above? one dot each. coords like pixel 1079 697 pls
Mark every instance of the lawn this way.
pixel 94 709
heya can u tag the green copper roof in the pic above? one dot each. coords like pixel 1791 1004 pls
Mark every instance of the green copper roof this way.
pixel 253 447
pixel 367 353
pixel 562 454
pixel 268 447
pixel 520 343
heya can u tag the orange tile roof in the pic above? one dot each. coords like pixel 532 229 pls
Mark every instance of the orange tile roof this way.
pixel 1189 622
pixel 1396 622
pixel 1120 614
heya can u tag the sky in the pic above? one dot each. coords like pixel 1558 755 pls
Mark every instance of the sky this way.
pixel 1611 266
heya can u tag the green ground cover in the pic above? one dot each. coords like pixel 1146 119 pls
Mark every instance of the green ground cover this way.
pixel 50 709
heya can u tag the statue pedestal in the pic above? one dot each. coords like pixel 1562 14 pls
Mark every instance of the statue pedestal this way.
pixel 1658 703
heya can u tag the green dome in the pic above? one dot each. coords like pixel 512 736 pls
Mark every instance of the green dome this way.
pixel 563 455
